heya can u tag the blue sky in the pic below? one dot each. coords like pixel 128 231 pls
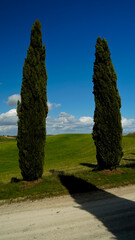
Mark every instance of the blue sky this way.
pixel 69 29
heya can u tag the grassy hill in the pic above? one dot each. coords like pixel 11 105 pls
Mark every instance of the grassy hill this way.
pixel 73 154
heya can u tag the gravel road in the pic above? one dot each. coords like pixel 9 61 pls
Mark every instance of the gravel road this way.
pixel 105 214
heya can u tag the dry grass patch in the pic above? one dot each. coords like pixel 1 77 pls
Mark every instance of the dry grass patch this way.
pixel 29 184
pixel 112 172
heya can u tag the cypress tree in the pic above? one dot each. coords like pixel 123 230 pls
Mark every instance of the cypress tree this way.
pixel 32 111
pixel 107 130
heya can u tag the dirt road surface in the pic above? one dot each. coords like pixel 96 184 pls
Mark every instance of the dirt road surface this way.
pixel 106 214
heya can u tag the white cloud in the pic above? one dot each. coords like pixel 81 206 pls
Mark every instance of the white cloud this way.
pixel 128 125
pixel 10 130
pixel 8 118
pixel 53 105
pixel 12 100
pixel 66 123
pixel 8 123
pixel 86 120
pixel 63 123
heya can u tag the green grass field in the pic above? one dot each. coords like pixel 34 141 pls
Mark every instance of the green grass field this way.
pixel 73 154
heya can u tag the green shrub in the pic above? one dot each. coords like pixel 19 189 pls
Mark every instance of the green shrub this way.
pixel 32 110
pixel 107 130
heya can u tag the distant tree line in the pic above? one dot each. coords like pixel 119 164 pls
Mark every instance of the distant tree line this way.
pixel 32 110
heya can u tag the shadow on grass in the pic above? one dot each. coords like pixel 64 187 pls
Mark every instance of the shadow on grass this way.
pixel 16 180
pixel 128 165
pixel 91 165
pixel 76 185
pixel 129 159
pixel 117 214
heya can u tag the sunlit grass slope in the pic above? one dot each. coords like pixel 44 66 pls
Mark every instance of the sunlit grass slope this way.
pixel 66 152
pixel 63 152
pixel 71 154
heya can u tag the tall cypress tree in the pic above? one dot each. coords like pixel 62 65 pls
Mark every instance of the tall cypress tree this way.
pixel 32 111
pixel 107 130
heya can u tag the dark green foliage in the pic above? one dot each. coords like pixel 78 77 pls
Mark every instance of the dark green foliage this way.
pixel 32 110
pixel 107 130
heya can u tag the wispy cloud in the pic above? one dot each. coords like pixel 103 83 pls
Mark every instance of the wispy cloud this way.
pixel 51 106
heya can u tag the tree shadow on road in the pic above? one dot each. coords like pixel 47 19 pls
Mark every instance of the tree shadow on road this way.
pixel 116 213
